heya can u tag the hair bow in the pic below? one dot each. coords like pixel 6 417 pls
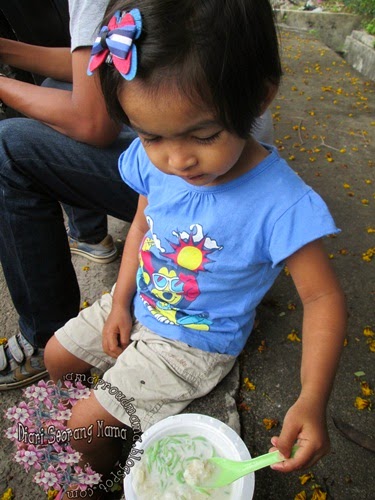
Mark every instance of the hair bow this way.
pixel 115 43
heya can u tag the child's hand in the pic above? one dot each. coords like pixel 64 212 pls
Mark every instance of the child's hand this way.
pixel 304 424
pixel 116 331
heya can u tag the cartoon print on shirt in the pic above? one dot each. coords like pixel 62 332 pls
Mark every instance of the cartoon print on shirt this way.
pixel 168 281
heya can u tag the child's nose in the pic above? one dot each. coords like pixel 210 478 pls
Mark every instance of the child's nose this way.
pixel 180 160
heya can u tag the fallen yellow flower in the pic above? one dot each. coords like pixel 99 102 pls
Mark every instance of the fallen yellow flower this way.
pixel 368 255
pixel 293 336
pixel 301 495
pixel 306 477
pixel 52 494
pixel 362 404
pixel 319 494
pixel 248 385
pixel 366 389
pixel 269 423
pixel 371 345
pixel 3 340
pixel 243 406
pixel 7 495
pixel 368 332
pixel 262 347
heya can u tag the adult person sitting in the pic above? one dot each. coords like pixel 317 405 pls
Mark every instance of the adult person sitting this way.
pixel 66 152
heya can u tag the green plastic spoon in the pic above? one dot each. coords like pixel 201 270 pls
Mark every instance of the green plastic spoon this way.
pixel 226 471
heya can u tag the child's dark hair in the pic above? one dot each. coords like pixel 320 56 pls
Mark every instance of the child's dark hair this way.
pixel 220 52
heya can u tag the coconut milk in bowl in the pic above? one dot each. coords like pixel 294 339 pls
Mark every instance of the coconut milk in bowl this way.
pixel 174 457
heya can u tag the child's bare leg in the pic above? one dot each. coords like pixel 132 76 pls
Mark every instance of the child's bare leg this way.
pixel 102 452
pixel 59 362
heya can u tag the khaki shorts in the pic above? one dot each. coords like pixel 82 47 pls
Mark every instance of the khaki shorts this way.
pixel 152 379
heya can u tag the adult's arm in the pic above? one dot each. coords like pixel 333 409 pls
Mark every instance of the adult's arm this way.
pixel 55 62
pixel 80 114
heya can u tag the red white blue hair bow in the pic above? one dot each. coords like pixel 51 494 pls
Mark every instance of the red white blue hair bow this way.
pixel 115 44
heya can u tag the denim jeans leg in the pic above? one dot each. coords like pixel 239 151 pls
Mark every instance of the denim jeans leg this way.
pixel 84 225
pixel 39 168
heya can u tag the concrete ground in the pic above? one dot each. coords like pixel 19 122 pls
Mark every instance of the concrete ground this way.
pixel 325 126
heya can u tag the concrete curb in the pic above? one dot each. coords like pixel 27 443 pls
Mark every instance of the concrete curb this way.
pixel 359 51
pixel 330 27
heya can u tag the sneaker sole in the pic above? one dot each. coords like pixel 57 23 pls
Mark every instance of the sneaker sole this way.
pixel 23 383
pixel 94 258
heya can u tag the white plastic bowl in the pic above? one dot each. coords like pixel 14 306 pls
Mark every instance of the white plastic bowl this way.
pixel 225 440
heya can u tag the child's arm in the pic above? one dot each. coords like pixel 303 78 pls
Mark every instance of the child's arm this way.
pixel 323 333
pixel 116 331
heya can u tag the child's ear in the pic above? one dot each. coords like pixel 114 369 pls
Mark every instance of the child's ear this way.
pixel 271 93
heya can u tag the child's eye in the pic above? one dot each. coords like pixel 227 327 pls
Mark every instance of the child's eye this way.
pixel 149 140
pixel 208 140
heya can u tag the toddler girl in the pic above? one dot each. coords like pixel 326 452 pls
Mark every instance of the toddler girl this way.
pixel 219 215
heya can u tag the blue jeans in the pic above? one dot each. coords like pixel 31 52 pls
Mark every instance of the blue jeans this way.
pixel 39 167
pixel 84 225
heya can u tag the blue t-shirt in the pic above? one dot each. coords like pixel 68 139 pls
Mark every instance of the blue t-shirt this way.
pixel 211 253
